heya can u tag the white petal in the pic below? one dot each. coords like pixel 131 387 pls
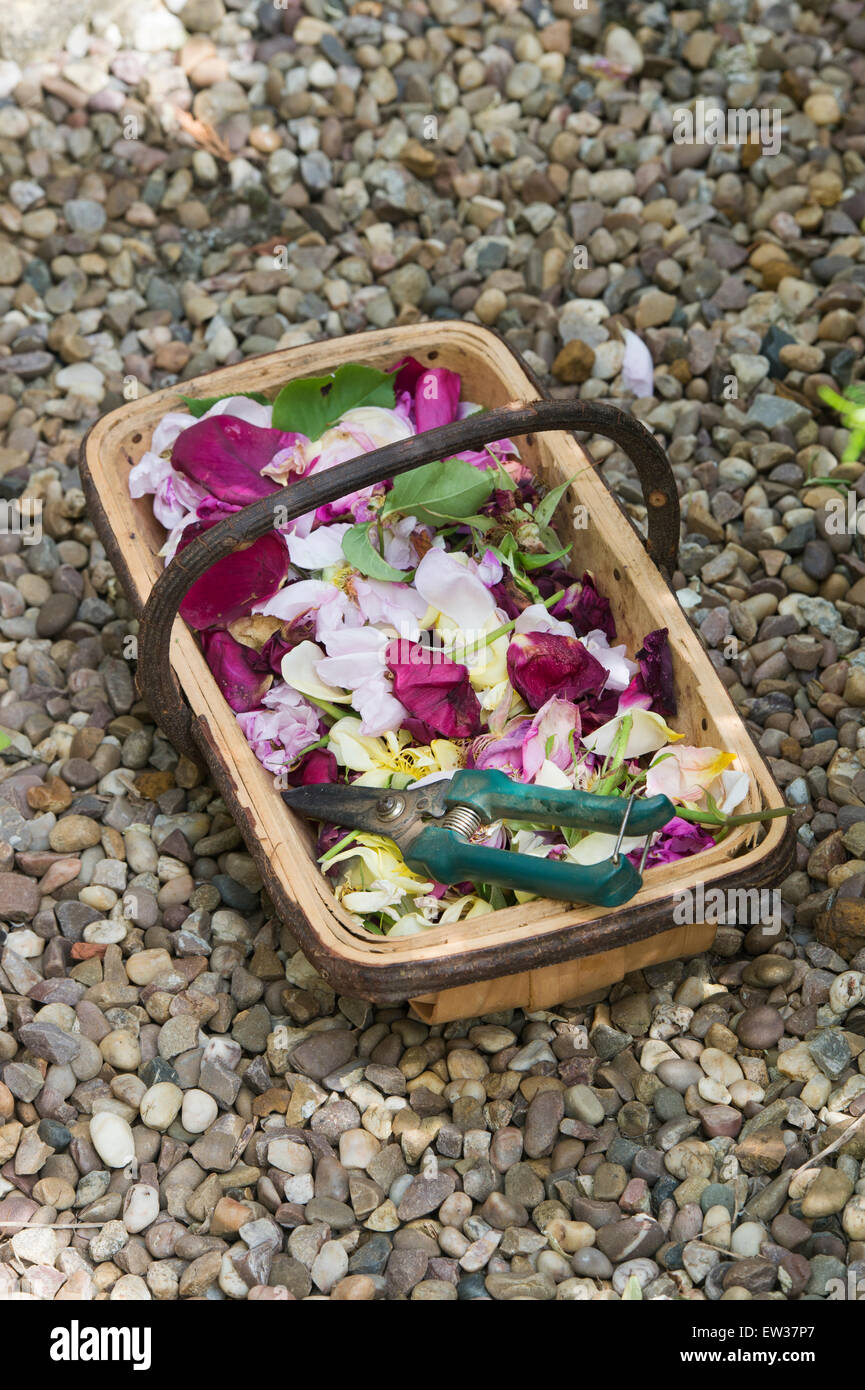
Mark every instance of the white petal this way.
pixel 242 408
pixel 299 672
pixel 319 549
pixel 448 586
pixel 303 597
pixel 536 618
pixel 735 790
pixel 552 776
pixel 638 371
pixel 597 847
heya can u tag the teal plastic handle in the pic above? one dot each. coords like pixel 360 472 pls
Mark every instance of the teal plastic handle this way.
pixel 448 858
pixel 497 797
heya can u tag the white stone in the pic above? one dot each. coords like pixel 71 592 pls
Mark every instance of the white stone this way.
pixel 231 1283
pixel 717 1227
pixel 714 1091
pixel 357 1148
pixel 289 1156
pixel 198 1112
pixel 160 1104
pixel 121 1050
pixel 815 1092
pixel 106 933
pixel 36 1246
pixel 111 1137
pixel 848 989
pixel 743 1092
pixel 299 1189
pixel 853 1218
pixel 329 1266
pixel 720 1066
pixel 26 943
pixel 130 1288
pixel 622 48
pixel 81 379
pixel 747 1239
pixel 140 1207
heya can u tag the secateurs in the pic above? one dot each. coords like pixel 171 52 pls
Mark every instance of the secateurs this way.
pixel 434 825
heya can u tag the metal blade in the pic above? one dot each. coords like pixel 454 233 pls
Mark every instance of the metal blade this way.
pixel 378 810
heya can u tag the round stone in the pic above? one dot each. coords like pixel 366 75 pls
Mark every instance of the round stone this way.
pixel 760 1027
pixel 160 1104
pixel 198 1111
pixel 111 1137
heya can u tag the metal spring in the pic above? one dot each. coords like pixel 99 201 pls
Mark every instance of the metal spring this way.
pixel 463 820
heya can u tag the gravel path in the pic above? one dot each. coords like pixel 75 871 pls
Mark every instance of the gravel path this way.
pixel 186 1109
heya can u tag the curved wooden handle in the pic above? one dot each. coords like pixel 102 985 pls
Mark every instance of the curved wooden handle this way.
pixel 158 683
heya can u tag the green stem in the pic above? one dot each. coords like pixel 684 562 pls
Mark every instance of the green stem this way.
pixel 319 743
pixel 508 627
pixel 327 707
pixel 340 845
pixel 722 821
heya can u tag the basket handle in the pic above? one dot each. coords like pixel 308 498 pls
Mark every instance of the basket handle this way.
pixel 158 683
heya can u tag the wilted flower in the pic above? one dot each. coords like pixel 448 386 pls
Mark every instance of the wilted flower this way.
pixel 434 689
pixel 586 608
pixel 552 737
pixel 686 773
pixel 280 730
pixel 653 686
pixel 541 662
pixel 638 371
pixel 678 839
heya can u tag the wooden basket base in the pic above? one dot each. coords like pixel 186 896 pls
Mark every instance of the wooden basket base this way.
pixel 540 989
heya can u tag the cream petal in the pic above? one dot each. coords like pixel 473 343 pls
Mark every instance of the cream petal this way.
pixel 597 847
pixel 648 734
pixel 299 671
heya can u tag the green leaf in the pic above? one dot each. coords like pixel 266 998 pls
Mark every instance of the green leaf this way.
pixel 545 508
pixel 447 490
pixel 358 549
pixel 537 562
pixel 310 406
pixel 199 405
pixel 5 741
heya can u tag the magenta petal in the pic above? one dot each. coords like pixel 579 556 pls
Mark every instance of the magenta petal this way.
pixel 594 713
pixel 226 455
pixel 315 768
pixel 656 671
pixel 582 605
pixel 436 397
pixel 408 369
pixel 541 664
pixel 434 689
pixel 239 671
pixel 233 585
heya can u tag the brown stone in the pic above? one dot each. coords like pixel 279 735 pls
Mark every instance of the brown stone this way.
pixel 574 363
pixel 843 926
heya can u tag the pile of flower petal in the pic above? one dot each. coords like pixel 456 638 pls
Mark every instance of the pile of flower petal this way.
pixel 415 627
